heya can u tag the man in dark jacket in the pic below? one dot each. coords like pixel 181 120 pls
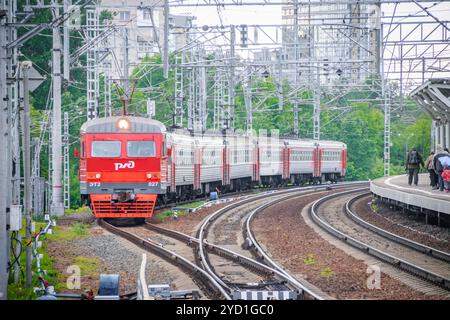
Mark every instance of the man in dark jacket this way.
pixel 438 168
pixel 413 162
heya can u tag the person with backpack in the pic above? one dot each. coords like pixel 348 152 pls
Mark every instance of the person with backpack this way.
pixel 440 157
pixel 413 162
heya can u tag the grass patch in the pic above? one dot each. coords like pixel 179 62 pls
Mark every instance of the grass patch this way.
pixel 327 272
pixel 310 259
pixel 162 216
pixel 82 209
pixel 374 206
pixel 76 231
pixel 88 265
pixel 193 204
pixel 80 228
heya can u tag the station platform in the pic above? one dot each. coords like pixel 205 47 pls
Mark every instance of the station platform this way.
pixel 421 197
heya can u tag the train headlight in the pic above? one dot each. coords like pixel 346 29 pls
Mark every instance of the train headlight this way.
pixel 123 124
pixel 98 176
pixel 153 175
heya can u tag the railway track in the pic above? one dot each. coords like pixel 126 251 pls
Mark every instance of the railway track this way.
pixel 222 271
pixel 432 252
pixel 228 228
pixel 208 284
pixel 333 213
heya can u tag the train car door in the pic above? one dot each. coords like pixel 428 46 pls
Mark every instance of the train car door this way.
pixel 256 163
pixel 225 165
pixel 285 154
pixel 343 162
pixel 317 159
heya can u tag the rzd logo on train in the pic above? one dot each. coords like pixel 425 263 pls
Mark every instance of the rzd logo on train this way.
pixel 129 165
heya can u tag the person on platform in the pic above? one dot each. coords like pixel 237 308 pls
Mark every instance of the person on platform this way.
pixel 446 178
pixel 413 162
pixel 440 156
pixel 430 168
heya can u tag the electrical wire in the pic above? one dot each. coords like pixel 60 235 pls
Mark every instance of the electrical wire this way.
pixel 16 257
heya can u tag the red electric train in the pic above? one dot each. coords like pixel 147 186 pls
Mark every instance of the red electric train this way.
pixel 129 163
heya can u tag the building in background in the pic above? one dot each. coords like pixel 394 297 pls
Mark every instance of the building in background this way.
pixel 340 38
pixel 139 33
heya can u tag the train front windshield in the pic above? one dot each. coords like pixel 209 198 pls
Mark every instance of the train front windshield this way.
pixel 141 149
pixel 105 149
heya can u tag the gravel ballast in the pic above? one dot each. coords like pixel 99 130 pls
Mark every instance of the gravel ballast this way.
pixel 286 236
pixel 402 224
pixel 113 255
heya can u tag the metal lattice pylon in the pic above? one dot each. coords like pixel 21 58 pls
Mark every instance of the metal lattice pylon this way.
pixel 200 94
pixel 316 112
pixel 91 69
pixel 387 137
pixel 50 162
pixel 179 93
pixel 66 162
pixel 247 87
pixel 220 95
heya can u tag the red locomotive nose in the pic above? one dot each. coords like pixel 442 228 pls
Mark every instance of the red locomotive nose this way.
pixel 120 166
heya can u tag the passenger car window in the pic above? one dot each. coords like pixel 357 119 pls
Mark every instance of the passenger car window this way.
pixel 141 149
pixel 105 149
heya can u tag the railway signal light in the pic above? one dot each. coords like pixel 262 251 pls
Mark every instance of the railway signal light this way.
pixel 244 36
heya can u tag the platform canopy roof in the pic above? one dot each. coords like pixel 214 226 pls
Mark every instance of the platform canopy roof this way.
pixel 434 97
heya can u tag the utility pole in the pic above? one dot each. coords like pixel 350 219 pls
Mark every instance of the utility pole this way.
pixel 191 81
pixel 247 86
pixel 166 40
pixel 316 112
pixel 231 98
pixel 125 62
pixel 26 124
pixel 387 114
pixel 296 127
pixel 108 111
pixel 4 161
pixel 66 41
pixel 57 207
pixel 125 98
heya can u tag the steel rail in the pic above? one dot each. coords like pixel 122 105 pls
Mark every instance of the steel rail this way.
pixel 169 255
pixel 381 255
pixel 433 252
pixel 218 250
pixel 268 260
pixel 203 230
